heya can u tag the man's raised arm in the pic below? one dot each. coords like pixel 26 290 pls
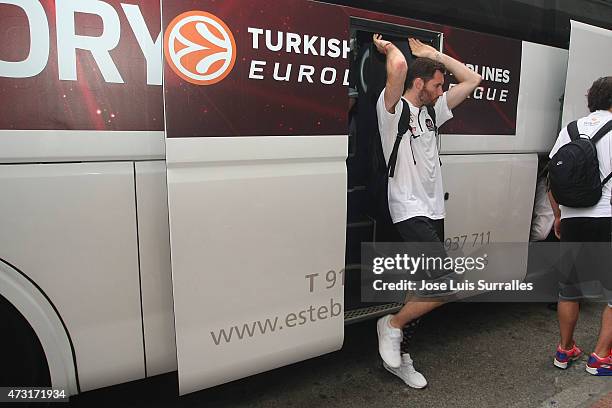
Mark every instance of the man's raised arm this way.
pixel 468 79
pixel 396 71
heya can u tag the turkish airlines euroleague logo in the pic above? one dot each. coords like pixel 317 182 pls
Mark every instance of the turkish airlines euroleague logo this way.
pixel 200 48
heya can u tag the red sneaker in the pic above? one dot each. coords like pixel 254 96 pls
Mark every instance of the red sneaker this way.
pixel 599 366
pixel 564 357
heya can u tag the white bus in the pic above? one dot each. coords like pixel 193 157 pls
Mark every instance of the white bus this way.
pixel 209 223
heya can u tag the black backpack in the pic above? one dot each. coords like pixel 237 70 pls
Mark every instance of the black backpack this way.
pixel 574 170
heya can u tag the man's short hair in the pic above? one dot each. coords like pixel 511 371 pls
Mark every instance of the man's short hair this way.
pixel 423 68
pixel 600 94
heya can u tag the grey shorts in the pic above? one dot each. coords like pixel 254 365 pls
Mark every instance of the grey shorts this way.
pixel 427 237
pixel 586 259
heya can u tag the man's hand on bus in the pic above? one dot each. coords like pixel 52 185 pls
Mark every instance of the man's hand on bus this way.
pixel 423 50
pixel 380 43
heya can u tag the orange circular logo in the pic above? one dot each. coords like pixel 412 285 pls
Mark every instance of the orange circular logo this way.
pixel 200 48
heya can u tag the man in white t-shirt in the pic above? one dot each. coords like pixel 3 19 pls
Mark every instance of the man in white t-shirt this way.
pixel 416 195
pixel 587 232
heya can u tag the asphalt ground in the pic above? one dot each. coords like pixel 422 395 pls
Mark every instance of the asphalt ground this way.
pixel 473 355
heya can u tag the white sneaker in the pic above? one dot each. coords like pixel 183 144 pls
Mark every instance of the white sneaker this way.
pixel 407 373
pixel 389 340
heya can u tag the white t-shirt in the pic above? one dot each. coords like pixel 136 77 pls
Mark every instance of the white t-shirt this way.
pixel 589 125
pixel 415 189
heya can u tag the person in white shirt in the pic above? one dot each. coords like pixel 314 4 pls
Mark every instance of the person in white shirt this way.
pixel 588 232
pixel 416 195
pixel 542 219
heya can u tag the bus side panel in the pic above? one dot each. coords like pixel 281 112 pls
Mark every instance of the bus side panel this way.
pixel 541 93
pixel 490 200
pixel 589 58
pixel 71 229
pixel 156 276
pixel 257 231
pixel 43 146
pixel 542 74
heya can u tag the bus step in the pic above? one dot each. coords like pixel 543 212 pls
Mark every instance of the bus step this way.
pixel 365 313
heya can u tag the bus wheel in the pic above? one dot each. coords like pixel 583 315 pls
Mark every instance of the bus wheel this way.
pixel 23 360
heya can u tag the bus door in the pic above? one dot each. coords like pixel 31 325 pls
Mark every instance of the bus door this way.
pixel 589 59
pixel 256 143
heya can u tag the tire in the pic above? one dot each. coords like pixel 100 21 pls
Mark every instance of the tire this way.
pixel 23 359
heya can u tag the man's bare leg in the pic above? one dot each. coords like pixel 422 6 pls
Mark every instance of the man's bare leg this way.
pixel 413 309
pixel 567 312
pixel 604 342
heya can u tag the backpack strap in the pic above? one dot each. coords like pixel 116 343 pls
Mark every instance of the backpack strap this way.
pixel 602 132
pixel 432 114
pixel 597 136
pixel 572 130
pixel 402 128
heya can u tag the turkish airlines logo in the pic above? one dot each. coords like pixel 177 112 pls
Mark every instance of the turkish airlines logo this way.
pixel 200 48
